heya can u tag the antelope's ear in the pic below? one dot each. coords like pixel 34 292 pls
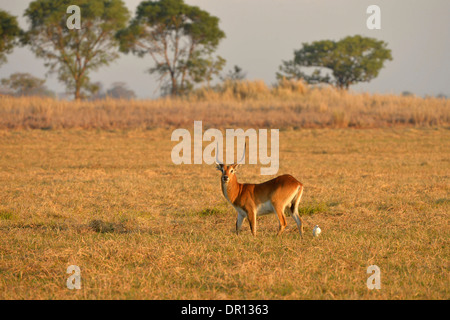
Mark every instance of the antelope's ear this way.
pixel 236 165
pixel 219 166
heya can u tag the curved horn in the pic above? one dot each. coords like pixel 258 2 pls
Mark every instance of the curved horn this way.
pixel 217 155
pixel 243 156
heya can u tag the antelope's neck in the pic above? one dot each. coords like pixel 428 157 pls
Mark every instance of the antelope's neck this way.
pixel 231 190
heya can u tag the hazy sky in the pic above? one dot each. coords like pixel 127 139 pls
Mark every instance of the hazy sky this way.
pixel 262 33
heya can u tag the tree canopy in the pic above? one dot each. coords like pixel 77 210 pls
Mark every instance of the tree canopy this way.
pixel 350 60
pixel 181 40
pixel 119 90
pixel 72 54
pixel 236 74
pixel 24 84
pixel 9 33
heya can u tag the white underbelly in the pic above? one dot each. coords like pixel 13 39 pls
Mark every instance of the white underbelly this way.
pixel 265 208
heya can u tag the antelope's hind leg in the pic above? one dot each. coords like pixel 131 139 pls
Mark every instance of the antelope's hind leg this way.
pixel 299 221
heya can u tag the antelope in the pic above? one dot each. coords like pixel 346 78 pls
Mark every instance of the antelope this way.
pixel 252 200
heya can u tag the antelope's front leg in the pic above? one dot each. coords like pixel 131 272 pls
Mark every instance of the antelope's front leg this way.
pixel 240 218
pixel 279 210
pixel 252 222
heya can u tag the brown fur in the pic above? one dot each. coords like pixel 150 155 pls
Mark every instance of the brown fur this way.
pixel 280 192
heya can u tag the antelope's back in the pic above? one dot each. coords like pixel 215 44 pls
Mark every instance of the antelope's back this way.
pixel 283 186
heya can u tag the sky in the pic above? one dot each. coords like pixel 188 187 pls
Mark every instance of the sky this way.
pixel 260 34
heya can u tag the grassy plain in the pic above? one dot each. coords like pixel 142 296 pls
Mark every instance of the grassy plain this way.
pixel 140 227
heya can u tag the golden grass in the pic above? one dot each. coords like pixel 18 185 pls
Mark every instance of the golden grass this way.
pixel 287 105
pixel 140 227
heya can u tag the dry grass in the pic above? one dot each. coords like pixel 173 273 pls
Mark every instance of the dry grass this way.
pixel 242 104
pixel 141 227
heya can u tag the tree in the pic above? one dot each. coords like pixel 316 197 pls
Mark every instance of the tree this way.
pixel 119 90
pixel 24 84
pixel 180 38
pixel 205 70
pixel 237 74
pixel 407 93
pixel 99 93
pixel 9 33
pixel 350 60
pixel 73 54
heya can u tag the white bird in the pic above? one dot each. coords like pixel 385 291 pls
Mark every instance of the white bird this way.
pixel 316 231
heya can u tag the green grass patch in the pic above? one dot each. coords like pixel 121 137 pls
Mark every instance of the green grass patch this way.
pixel 6 215
pixel 211 212
pixel 308 209
pixel 442 201
pixel 107 227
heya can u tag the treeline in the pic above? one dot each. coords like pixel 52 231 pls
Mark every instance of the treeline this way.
pixel 180 38
pixel 26 85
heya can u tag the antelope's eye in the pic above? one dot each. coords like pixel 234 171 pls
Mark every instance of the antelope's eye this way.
pixel 232 171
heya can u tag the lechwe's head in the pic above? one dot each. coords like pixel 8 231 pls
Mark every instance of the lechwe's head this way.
pixel 228 171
